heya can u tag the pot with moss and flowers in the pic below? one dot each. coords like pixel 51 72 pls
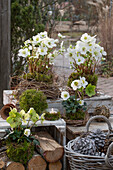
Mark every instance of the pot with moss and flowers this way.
pixel 39 53
pixel 19 140
pixel 75 107
pixel 85 57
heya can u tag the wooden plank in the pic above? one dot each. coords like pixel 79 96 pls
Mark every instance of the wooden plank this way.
pixel 4 46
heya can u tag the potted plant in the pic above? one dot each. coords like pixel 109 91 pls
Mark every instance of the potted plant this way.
pixel 20 142
pixel 52 114
pixel 75 106
pixel 85 56
pixel 39 52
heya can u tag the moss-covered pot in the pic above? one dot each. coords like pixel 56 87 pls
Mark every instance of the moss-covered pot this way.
pixel 54 115
pixel 20 152
pixel 77 119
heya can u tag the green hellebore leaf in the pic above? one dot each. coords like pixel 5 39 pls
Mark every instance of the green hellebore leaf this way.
pixel 90 90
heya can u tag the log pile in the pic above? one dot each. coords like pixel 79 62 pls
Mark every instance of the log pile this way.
pixel 49 148
pixel 48 156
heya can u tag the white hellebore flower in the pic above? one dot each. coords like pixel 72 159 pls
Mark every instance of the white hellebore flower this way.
pixel 84 83
pixel 24 52
pixel 79 60
pixel 27 132
pixel 65 95
pixel 27 42
pixel 60 35
pixel 103 52
pixel 76 84
pixel 42 50
pixel 81 47
pixel 50 43
pixel 81 102
pixel 36 38
pixel 70 53
pixel 43 34
pixel 86 38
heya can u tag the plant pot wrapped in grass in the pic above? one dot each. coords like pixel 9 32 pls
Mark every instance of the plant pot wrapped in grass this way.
pixel 33 98
pixel 86 56
pixel 75 107
pixel 20 142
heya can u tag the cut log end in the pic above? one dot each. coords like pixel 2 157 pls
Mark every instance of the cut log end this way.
pixel 15 166
pixel 54 156
pixel 2 164
pixel 55 166
pixel 37 163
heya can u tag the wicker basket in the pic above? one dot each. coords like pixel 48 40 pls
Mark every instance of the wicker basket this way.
pixel 88 162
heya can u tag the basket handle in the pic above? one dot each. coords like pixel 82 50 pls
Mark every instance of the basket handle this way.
pixel 95 117
pixel 107 161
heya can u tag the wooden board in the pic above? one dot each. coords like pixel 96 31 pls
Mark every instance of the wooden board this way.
pixel 4 46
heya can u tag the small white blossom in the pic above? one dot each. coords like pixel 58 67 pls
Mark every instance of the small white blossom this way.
pixel 24 52
pixel 50 43
pixel 76 84
pixel 81 102
pixel 27 132
pixel 42 50
pixel 65 95
pixel 83 81
pixel 79 60
pixel 81 47
pixel 43 34
pixel 36 38
pixel 86 38
pixel 27 42
pixel 60 35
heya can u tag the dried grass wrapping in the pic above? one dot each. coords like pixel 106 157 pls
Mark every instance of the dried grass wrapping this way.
pixel 50 90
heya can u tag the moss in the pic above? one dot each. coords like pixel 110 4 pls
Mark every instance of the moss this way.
pixel 49 116
pixel 39 77
pixel 79 115
pixel 21 152
pixel 91 79
pixel 33 98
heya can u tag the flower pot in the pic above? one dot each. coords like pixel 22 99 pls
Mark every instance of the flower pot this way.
pixel 52 114
pixel 20 152
pixel 79 118
pixel 4 112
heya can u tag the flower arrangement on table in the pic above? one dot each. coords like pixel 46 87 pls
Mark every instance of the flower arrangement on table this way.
pixel 85 57
pixel 75 106
pixel 19 140
pixel 39 52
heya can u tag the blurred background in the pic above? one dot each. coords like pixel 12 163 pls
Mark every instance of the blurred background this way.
pixel 71 18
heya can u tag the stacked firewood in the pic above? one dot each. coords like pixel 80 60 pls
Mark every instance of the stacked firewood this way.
pixel 48 155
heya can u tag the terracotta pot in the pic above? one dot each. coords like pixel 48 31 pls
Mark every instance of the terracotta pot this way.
pixel 4 112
